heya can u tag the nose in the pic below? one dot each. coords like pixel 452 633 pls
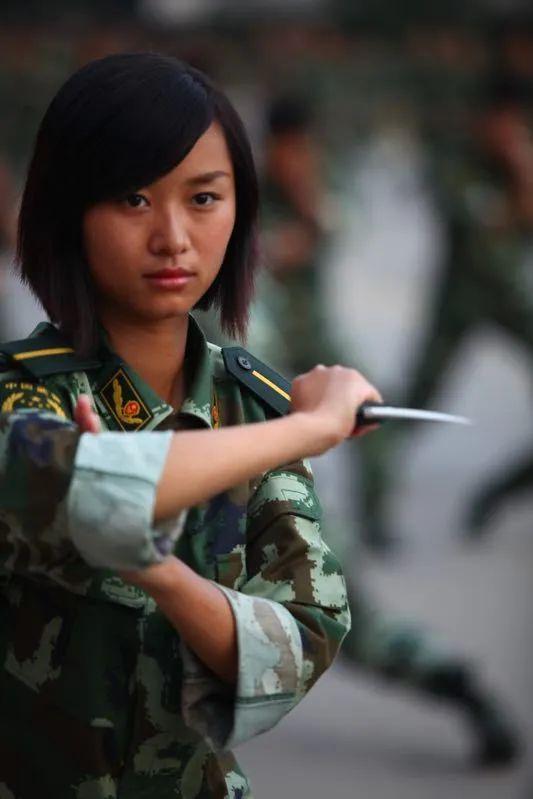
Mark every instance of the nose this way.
pixel 169 234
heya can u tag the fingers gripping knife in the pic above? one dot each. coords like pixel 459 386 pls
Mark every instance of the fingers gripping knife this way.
pixel 274 390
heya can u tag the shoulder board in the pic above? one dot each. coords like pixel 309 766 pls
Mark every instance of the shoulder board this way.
pixel 44 354
pixel 263 382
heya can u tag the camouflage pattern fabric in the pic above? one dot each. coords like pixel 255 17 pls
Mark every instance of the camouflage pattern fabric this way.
pixel 99 696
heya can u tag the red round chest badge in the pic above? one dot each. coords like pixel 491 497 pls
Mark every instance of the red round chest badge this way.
pixel 131 408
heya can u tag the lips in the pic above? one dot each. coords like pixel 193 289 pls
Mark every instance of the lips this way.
pixel 169 274
pixel 170 279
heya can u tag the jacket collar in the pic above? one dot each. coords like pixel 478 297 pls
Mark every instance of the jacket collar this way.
pixel 128 403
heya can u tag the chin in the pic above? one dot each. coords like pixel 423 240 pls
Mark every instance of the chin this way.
pixel 166 310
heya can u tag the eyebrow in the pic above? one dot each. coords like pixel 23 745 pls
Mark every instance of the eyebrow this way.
pixel 207 177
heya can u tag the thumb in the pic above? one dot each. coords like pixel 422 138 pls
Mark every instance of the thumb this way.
pixel 85 417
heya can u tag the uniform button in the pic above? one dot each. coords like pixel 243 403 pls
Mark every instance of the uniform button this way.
pixel 244 363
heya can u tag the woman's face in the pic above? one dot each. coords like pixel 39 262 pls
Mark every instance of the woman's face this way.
pixel 153 254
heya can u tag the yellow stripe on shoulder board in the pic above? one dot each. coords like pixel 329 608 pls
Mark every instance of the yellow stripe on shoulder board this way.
pixel 272 385
pixel 21 356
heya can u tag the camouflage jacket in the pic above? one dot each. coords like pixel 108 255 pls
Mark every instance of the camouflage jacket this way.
pixel 99 698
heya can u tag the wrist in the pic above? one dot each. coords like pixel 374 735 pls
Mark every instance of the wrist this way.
pixel 316 431
pixel 158 580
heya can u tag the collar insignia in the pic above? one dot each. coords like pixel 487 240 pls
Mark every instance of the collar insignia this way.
pixel 124 402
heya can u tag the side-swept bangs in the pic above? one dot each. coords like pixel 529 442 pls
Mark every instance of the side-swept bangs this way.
pixel 232 290
pixel 116 125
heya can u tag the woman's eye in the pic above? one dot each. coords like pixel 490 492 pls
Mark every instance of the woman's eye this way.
pixel 204 199
pixel 135 200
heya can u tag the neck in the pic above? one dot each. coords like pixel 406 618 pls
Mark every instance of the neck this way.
pixel 155 350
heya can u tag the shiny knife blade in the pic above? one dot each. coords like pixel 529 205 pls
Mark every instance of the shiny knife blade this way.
pixel 373 413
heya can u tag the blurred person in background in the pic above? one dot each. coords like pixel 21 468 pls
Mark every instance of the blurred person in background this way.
pixel 298 227
pixel 485 197
pixel 290 329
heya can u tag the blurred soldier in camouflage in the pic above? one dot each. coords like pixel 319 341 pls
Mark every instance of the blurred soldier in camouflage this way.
pixel 289 322
pixel 486 199
pixel 291 303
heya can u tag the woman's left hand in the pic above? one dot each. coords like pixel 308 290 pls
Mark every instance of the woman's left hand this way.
pixel 84 416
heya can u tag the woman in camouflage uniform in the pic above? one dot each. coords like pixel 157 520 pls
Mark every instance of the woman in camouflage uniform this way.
pixel 167 594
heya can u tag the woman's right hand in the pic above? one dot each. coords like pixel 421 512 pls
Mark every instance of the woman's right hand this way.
pixel 329 397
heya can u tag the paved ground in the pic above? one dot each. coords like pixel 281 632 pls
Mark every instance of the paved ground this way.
pixel 352 737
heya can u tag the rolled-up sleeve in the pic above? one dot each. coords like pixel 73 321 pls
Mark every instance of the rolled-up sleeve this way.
pixel 291 616
pixel 65 494
pixel 111 498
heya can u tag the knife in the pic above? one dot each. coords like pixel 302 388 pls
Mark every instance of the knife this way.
pixel 376 413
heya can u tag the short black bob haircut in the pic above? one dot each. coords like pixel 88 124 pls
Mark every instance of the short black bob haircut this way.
pixel 116 125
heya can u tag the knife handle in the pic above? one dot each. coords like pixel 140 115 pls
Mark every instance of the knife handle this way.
pixel 361 419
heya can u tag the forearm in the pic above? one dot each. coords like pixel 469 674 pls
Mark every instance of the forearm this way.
pixel 202 463
pixel 197 609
